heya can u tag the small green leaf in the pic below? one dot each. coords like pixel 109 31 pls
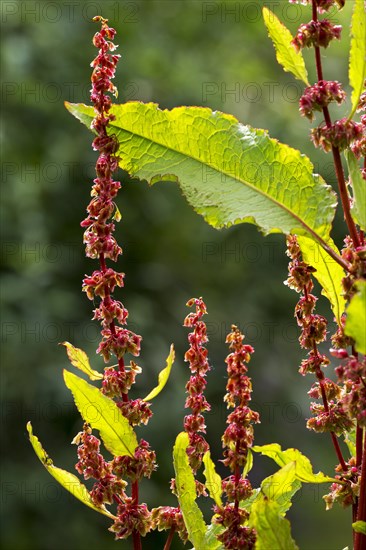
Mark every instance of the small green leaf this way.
pixel 359 527
pixel 350 441
pixel 291 60
pixel 102 414
pixel 213 480
pixel 356 318
pixel 358 188
pixel 69 481
pixel 357 58
pixel 186 490
pixel 329 273
pixel 249 463
pixel 304 470
pixel 80 360
pixel 163 376
pixel 281 486
pixel 273 530
pixel 248 503
pixel 210 540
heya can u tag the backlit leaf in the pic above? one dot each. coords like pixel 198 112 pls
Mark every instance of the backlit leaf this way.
pixel 359 527
pixel 213 480
pixel 69 481
pixel 303 468
pixel 329 273
pixel 357 59
pixel 356 318
pixel 282 486
pixel 273 530
pixel 102 414
pixel 80 360
pixel 291 60
pixel 163 376
pixel 186 490
pixel 229 173
pixel 358 188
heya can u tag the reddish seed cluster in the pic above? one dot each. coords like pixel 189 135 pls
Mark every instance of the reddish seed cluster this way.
pixel 196 356
pixel 168 518
pixel 318 96
pixel 341 134
pixel 317 34
pixel 346 492
pixel 237 439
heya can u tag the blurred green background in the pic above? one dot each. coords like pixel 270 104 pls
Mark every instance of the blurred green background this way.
pixel 215 54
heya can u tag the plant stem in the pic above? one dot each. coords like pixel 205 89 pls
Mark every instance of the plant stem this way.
pixel 335 151
pixel 170 538
pixel 360 539
pixel 135 534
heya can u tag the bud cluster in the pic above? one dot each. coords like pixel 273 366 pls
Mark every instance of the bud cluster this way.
pixel 237 440
pixel 196 356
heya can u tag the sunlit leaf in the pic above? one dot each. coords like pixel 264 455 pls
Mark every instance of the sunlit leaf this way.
pixel 210 541
pixel 229 173
pixel 163 376
pixel 358 188
pixel 359 527
pixel 69 481
pixel 357 59
pixel 350 441
pixel 273 530
pixel 80 360
pixel 303 470
pixel 102 414
pixel 186 490
pixel 213 480
pixel 248 464
pixel 282 486
pixel 291 60
pixel 329 273
pixel 356 317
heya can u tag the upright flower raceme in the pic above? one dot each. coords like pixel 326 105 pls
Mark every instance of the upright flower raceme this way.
pixel 237 440
pixel 132 518
pixel 196 356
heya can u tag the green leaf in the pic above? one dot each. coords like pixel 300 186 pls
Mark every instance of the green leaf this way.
pixel 229 173
pixel 329 273
pixel 359 527
pixel 80 360
pixel 249 463
pixel 291 60
pixel 186 490
pixel 350 441
pixel 357 58
pixel 303 470
pixel 356 317
pixel 281 486
pixel 163 376
pixel 248 503
pixel 358 188
pixel 210 540
pixel 69 481
pixel 273 530
pixel 213 480
pixel 102 414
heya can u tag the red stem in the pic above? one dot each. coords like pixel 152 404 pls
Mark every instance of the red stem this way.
pixel 170 538
pixel 360 539
pixel 336 154
pixel 135 534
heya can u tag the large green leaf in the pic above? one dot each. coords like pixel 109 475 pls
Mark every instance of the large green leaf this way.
pixel 328 273
pixel 69 481
pixel 229 173
pixel 186 491
pixel 163 376
pixel 303 467
pixel 213 480
pixel 80 360
pixel 281 486
pixel 356 318
pixel 357 59
pixel 102 414
pixel 358 188
pixel 273 530
pixel 291 60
